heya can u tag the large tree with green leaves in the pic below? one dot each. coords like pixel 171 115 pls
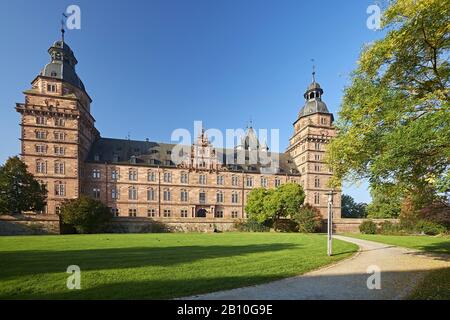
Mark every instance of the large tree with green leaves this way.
pixel 268 206
pixel 85 214
pixel 351 209
pixel 394 120
pixel 19 190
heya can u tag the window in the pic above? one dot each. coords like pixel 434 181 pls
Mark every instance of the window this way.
pixel 277 182
pixel 132 175
pixel 316 182
pixel 114 194
pixel 219 196
pixel 59 167
pixel 96 173
pixel 249 182
pixel 132 193
pixel 167 177
pixel 317 167
pixel 234 214
pixel 51 87
pixel 96 193
pixel 167 213
pixel 219 180
pixel 184 177
pixel 317 146
pixel 41 149
pixel 60 151
pixel 151 213
pixel 41 120
pixel 150 194
pixel 114 175
pixel 218 214
pixel 235 197
pixel 132 212
pixel 166 195
pixel 41 135
pixel 235 180
pixel 184 195
pixel 316 198
pixel 60 136
pixel 60 189
pixel 184 213
pixel 317 157
pixel 59 122
pixel 263 182
pixel 41 166
pixel 202 179
pixel 115 212
pixel 57 210
pixel 202 197
pixel 323 121
pixel 151 176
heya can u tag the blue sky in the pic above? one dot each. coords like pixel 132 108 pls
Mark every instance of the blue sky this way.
pixel 154 66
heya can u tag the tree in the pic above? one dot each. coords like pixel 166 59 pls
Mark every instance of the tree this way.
pixel 393 123
pixel 268 206
pixel 85 214
pixel 19 190
pixel 308 219
pixel 386 202
pixel 351 209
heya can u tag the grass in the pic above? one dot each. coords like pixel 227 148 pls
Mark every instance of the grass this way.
pixel 436 284
pixel 156 266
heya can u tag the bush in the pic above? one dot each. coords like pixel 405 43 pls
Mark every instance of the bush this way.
pixel 308 219
pixel 429 228
pixel 438 212
pixel 368 227
pixel 250 226
pixel 85 214
pixel 287 225
pixel 387 227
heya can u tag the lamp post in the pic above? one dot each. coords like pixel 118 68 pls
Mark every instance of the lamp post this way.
pixel 330 221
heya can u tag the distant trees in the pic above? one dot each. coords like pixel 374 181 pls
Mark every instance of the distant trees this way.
pixel 351 209
pixel 85 214
pixel 268 206
pixel 308 219
pixel 19 190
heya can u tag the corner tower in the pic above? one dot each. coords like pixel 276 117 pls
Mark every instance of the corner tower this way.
pixel 313 130
pixel 57 127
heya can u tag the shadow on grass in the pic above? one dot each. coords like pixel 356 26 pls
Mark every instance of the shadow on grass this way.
pixel 394 285
pixel 33 262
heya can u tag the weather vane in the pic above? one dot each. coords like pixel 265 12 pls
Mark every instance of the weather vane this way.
pixel 62 26
pixel 314 70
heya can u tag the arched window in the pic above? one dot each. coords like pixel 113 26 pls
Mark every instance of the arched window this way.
pixel 41 166
pixel 150 194
pixel 132 193
pixel 166 195
pixel 184 195
pixel 219 196
pixel 317 182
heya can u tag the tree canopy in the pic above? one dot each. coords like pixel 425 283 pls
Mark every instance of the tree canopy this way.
pixel 19 190
pixel 393 126
pixel 351 209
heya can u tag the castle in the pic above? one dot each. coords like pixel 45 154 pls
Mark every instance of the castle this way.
pixel 63 149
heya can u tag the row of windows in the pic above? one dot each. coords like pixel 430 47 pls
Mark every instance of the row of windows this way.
pixel 57 150
pixel 184 178
pixel 58 122
pixel 58 166
pixel 42 135
pixel 167 195
pixel 167 213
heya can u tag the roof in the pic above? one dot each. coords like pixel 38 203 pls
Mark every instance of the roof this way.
pixel 62 65
pixel 154 154
pixel 313 106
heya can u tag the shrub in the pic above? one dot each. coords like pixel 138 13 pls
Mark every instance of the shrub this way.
pixel 438 212
pixel 387 227
pixel 429 227
pixel 308 219
pixel 368 227
pixel 250 226
pixel 287 225
pixel 85 214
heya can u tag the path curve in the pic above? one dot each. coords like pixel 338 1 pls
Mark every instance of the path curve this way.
pixel 401 270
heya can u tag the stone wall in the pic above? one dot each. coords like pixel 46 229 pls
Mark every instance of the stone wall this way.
pixel 148 225
pixel 28 225
pixel 345 225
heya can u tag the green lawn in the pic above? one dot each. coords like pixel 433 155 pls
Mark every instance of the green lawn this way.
pixel 155 266
pixel 436 244
pixel 436 284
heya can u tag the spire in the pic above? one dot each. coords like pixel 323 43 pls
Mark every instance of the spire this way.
pixel 313 71
pixel 63 31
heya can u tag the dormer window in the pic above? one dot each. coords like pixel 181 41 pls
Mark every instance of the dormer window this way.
pixel 51 87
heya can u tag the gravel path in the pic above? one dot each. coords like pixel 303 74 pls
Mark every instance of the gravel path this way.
pixel 400 268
